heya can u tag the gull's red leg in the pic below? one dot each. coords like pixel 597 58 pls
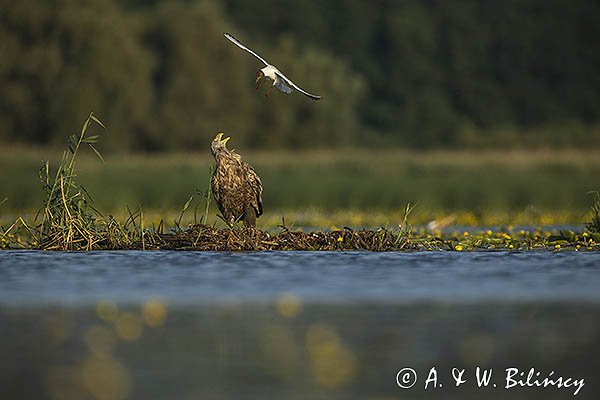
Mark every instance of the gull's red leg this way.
pixel 260 84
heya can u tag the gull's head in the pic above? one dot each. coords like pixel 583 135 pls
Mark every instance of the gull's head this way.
pixel 219 144
pixel 259 75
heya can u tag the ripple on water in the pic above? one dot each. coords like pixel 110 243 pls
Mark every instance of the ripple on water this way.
pixel 31 277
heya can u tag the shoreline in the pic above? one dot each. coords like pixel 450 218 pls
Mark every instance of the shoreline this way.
pixel 209 238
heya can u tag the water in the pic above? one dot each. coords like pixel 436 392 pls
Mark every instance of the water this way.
pixel 325 277
pixel 294 325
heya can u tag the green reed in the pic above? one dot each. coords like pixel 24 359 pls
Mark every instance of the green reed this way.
pixel 68 219
pixel 594 224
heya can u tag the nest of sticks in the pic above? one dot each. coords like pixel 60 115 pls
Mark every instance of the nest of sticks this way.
pixel 208 238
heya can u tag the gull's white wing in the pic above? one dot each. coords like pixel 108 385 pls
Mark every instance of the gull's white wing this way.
pixel 298 88
pixel 240 45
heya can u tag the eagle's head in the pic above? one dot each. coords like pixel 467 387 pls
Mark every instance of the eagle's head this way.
pixel 218 144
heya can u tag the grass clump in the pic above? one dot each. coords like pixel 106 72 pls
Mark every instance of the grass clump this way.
pixel 594 224
pixel 67 217
pixel 19 235
pixel 69 221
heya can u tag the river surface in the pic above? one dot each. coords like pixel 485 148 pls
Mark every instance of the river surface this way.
pixel 295 325
pixel 31 277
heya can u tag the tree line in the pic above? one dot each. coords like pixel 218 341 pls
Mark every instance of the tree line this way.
pixel 421 74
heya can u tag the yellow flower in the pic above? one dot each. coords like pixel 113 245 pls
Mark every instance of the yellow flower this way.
pixel 557 246
pixel 506 236
pixel 511 246
pixel 458 247
pixel 340 239
pixel 465 234
pixel 584 234
pixel 489 232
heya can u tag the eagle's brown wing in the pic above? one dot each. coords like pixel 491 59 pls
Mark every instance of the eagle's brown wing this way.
pixel 257 189
pixel 216 191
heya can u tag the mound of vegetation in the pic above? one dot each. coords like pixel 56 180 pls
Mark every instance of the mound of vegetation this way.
pixel 210 238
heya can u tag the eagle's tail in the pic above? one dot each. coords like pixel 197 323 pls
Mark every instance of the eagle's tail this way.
pixel 250 217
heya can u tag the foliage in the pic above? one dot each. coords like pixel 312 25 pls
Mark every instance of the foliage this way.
pixel 61 58
pixel 420 74
pixel 439 72
pixel 69 221
pixel 67 216
pixel 594 224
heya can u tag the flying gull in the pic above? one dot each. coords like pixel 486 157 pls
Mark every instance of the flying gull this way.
pixel 271 72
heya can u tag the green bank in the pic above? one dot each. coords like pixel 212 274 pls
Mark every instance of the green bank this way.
pixel 331 182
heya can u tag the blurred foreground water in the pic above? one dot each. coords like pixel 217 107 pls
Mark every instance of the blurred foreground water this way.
pixel 294 325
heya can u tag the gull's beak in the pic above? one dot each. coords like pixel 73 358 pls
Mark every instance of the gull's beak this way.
pixel 219 136
pixel 224 141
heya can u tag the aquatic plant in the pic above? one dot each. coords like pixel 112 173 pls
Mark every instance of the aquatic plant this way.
pixel 205 197
pixel 68 217
pixel 594 224
pixel 18 235
pixel 69 220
